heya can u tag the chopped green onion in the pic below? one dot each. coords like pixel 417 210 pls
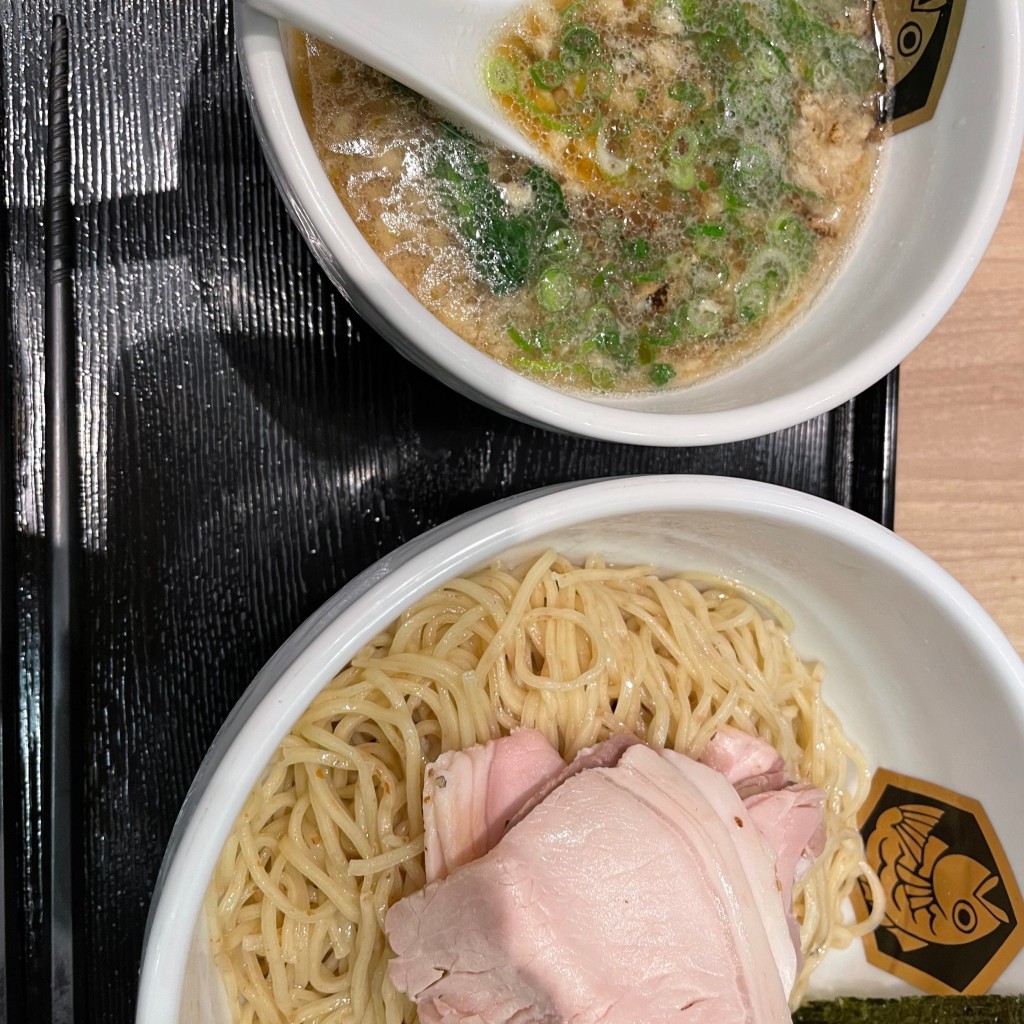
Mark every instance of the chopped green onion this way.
pixel 729 24
pixel 661 373
pixel 564 243
pixel 687 93
pixel 556 335
pixel 636 249
pixel 684 9
pixel 753 160
pixel 705 231
pixel 577 38
pixel 572 9
pixel 701 319
pixel 666 16
pixel 599 320
pixel 607 282
pixel 677 261
pixel 573 127
pixel 669 335
pixel 825 76
pixel 751 177
pixel 730 200
pixel 501 76
pixel 791 234
pixel 784 223
pixel 767 60
pixel 679 157
pixel 750 103
pixel 798 27
pixel 773 268
pixel 710 274
pixel 861 68
pixel 585 120
pixel 554 290
pixel 682 174
pixel 545 367
pixel 600 81
pixel 682 142
pixel 752 300
pixel 648 275
pixel 601 330
pixel 531 342
pixel 548 74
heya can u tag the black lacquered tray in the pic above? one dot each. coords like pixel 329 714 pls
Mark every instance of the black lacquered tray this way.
pixel 241 445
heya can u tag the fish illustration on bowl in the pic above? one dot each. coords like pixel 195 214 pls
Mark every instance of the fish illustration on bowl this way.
pixel 954 915
pixel 920 38
pixel 934 895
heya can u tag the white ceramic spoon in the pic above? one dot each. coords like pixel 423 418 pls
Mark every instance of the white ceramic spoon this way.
pixel 435 47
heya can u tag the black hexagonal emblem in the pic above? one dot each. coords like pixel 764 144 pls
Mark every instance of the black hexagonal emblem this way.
pixel 954 918
pixel 923 36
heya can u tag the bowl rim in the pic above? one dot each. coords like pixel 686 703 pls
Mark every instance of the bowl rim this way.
pixel 326 641
pixel 436 348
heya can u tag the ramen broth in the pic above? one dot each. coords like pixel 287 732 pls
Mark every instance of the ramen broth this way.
pixel 710 162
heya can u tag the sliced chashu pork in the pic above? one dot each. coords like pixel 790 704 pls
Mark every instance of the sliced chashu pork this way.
pixel 471 795
pixel 635 892
pixel 605 754
pixel 792 822
pixel 790 817
pixel 750 763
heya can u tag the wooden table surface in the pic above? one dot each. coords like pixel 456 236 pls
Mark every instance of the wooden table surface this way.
pixel 960 442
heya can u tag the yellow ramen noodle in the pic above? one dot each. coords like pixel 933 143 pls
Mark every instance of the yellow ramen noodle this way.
pixel 710 160
pixel 333 833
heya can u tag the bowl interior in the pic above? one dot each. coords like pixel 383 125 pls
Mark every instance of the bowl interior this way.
pixel 938 198
pixel 919 675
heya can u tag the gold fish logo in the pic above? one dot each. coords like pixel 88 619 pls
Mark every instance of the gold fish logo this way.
pixel 954 916
pixel 934 895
